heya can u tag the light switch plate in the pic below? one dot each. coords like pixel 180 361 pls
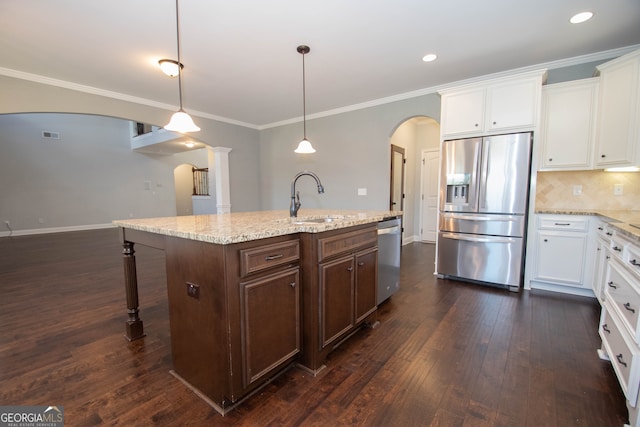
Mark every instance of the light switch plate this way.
pixel 362 191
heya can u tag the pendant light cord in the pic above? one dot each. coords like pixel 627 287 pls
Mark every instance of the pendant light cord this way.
pixel 179 61
pixel 304 100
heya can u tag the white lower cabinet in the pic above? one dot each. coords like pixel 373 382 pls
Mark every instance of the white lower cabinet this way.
pixel 563 254
pixel 620 320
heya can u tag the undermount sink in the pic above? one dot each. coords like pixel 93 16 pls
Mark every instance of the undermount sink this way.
pixel 313 220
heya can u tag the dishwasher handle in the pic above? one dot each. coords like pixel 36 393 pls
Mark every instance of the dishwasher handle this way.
pixel 479 239
pixel 389 230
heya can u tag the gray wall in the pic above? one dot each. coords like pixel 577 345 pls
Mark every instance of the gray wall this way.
pixel 89 176
pixel 353 151
pixel 25 96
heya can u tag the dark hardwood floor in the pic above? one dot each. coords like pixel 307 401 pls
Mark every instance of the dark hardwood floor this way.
pixel 445 353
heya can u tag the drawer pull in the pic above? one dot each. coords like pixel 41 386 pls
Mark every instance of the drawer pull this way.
pixel 634 262
pixel 600 228
pixel 628 307
pixel 617 249
pixel 272 257
pixel 606 328
pixel 361 263
pixel 608 233
pixel 611 285
pixel 563 223
pixel 620 361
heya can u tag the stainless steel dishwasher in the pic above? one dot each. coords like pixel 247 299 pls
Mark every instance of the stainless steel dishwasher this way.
pixel 389 240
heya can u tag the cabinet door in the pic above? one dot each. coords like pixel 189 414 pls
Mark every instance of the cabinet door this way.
pixel 366 283
pixel 512 104
pixel 560 257
pixel 270 322
pixel 568 125
pixel 463 112
pixel 336 298
pixel 617 115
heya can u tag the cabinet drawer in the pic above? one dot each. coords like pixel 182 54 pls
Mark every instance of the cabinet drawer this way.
pixel 616 246
pixel 267 256
pixel 563 223
pixel 346 242
pixel 632 259
pixel 622 293
pixel 623 354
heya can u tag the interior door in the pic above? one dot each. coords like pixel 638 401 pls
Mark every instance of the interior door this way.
pixel 396 202
pixel 429 198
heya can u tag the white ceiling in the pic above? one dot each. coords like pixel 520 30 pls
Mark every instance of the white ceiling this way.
pixel 240 56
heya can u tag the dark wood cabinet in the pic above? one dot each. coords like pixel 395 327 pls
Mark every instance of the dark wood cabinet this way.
pixel 234 314
pixel 270 322
pixel 340 284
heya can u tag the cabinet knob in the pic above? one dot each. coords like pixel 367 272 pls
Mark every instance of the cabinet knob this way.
pixel 361 263
pixel 545 240
pixel 292 284
pixel 551 160
pixel 476 125
pixel 620 360
pixel 494 123
pixel 602 156
pixel 349 268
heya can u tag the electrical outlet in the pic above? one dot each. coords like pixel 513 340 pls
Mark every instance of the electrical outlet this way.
pixel 577 190
pixel 618 190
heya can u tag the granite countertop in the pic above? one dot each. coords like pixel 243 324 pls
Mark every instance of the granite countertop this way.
pixel 245 226
pixel 621 220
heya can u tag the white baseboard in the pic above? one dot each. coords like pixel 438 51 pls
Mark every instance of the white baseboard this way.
pixel 48 230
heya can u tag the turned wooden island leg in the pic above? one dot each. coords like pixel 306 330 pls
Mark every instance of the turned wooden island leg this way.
pixel 134 328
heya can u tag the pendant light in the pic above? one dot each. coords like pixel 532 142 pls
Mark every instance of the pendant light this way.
pixel 180 121
pixel 304 146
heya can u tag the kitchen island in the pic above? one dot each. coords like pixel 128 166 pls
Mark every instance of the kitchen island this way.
pixel 253 293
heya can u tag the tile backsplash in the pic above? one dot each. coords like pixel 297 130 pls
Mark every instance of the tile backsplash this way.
pixel 554 190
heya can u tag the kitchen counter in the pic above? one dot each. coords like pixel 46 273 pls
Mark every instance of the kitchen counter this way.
pixel 621 220
pixel 239 227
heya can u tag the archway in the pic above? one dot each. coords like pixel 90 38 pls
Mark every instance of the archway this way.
pixel 419 137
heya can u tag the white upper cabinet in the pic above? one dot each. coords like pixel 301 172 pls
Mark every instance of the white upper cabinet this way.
pixel 495 106
pixel 463 111
pixel 618 112
pixel 568 125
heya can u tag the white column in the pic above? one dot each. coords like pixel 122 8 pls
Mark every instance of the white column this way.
pixel 220 164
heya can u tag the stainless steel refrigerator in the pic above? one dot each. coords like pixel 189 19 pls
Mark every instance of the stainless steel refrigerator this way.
pixel 484 192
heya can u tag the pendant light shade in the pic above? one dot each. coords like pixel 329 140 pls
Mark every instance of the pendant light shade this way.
pixel 304 147
pixel 180 121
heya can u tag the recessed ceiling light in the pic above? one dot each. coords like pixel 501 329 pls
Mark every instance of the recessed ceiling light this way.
pixel 430 57
pixel 581 17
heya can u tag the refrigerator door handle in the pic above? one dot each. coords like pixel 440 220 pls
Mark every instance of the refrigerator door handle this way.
pixel 483 173
pixel 478 239
pixel 478 217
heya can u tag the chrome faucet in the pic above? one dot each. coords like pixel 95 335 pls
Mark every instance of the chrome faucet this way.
pixel 295 196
